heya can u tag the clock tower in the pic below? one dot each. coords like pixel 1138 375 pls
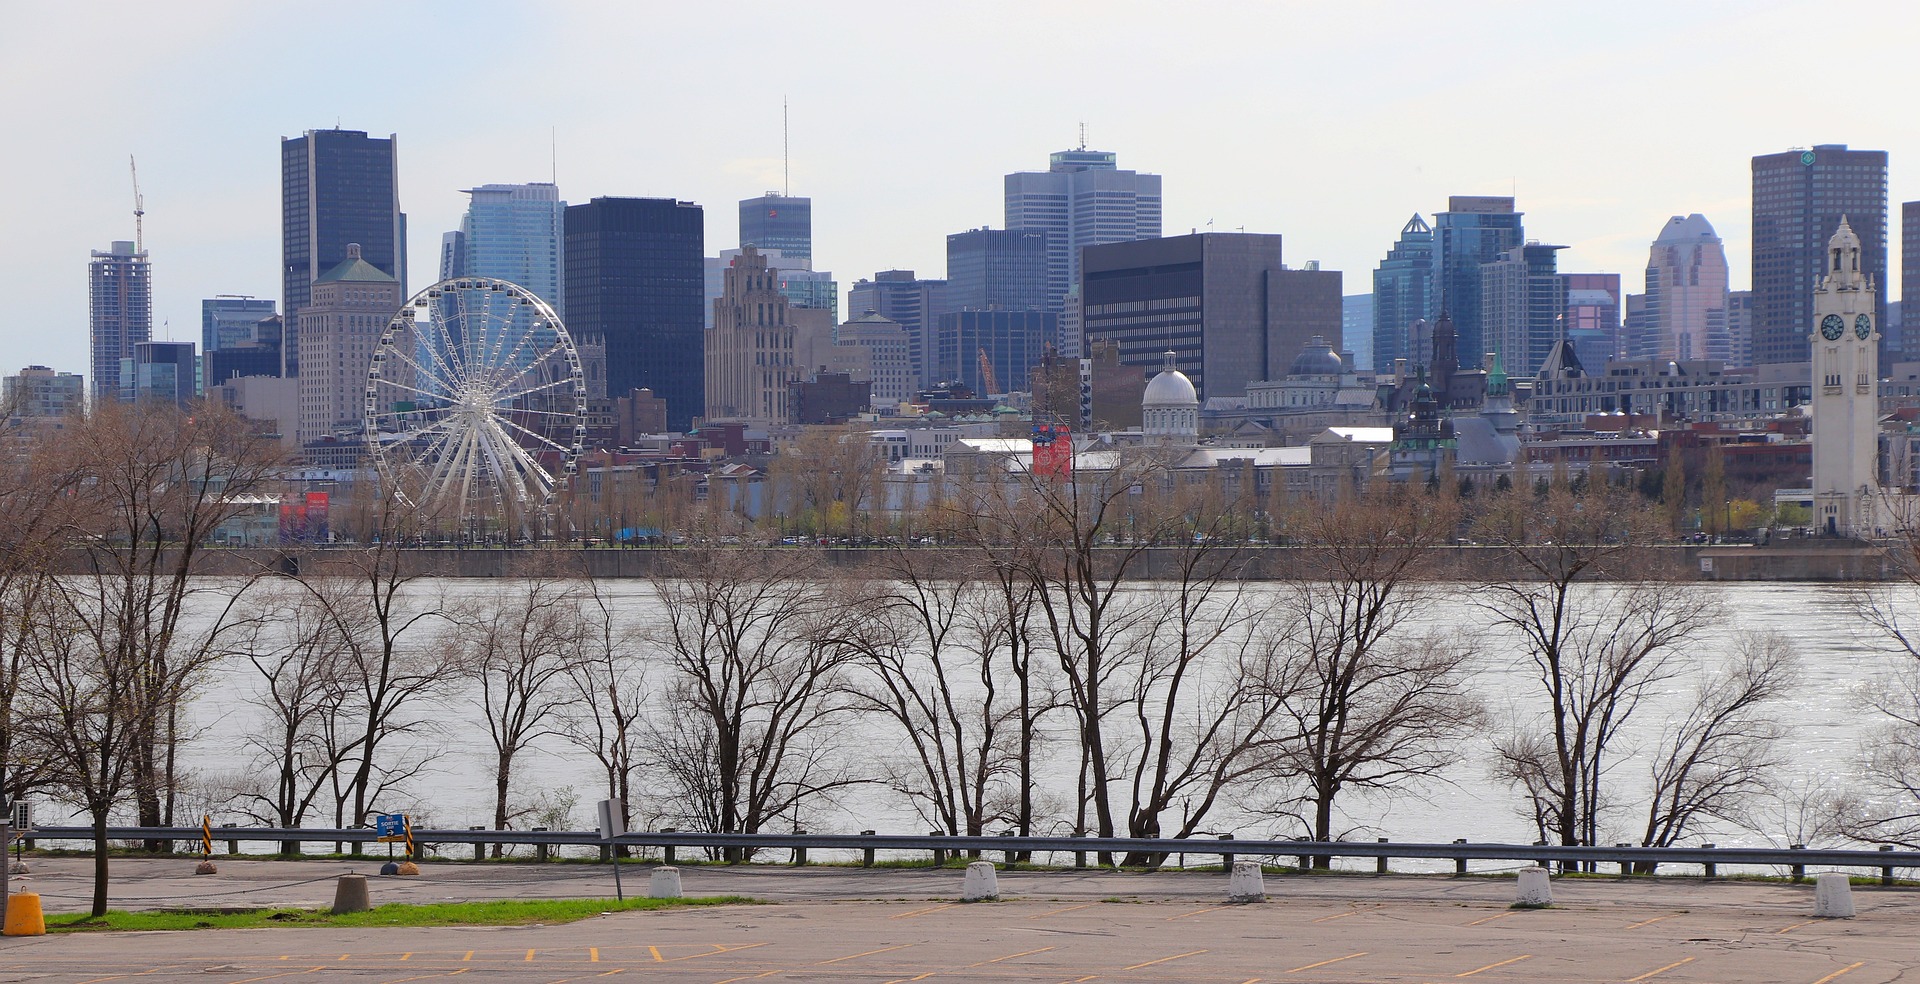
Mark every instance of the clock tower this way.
pixel 1846 378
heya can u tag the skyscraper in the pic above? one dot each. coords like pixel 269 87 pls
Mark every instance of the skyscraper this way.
pixel 782 222
pixel 915 304
pixel 120 312
pixel 1909 283
pixel 512 232
pixel 1082 199
pixel 336 187
pixel 1593 316
pixel 633 274
pixel 1687 292
pixel 1523 304
pixel 163 371
pixel 1799 197
pixel 997 269
pixel 759 343
pixel 1356 328
pixel 1403 294
pixel 1474 230
pixel 350 307
pixel 230 319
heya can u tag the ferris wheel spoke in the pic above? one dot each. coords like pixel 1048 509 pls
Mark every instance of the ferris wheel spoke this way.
pixel 527 463
pixel 499 357
pixel 528 391
pixel 446 457
pixel 442 373
pixel 503 455
pixel 412 389
pixel 542 438
pixel 508 364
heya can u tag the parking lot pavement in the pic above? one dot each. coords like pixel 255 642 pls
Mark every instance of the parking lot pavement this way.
pixel 895 926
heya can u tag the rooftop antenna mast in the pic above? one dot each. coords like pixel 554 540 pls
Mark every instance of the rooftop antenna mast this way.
pixel 1083 136
pixel 786 156
pixel 139 208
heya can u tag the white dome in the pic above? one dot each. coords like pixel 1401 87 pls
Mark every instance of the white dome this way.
pixel 1171 388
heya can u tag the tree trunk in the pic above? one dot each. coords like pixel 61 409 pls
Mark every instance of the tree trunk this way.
pixel 99 864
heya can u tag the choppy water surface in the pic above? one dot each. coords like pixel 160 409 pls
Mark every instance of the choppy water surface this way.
pixel 1824 720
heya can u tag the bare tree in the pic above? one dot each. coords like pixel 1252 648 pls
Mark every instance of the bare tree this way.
pixel 1379 701
pixel 607 712
pixel 516 644
pixel 755 645
pixel 303 664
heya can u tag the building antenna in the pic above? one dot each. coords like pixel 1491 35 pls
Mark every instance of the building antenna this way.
pixel 786 155
pixel 139 207
pixel 1083 135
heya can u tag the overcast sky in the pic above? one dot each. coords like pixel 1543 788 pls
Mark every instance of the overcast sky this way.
pixel 1329 123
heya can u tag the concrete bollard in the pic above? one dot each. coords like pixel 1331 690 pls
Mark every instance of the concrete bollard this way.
pixel 350 894
pixel 24 917
pixel 1534 887
pixel 981 884
pixel 1247 883
pixel 665 883
pixel 1832 896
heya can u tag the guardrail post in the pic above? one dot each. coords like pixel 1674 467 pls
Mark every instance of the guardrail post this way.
pixel 1713 870
pixel 1380 863
pixel 479 848
pixel 799 853
pixel 1799 870
pixel 1886 872
pixel 233 846
pixel 866 854
pixel 1080 856
pixel 1544 863
pixel 1226 857
pixel 666 850
pixel 1009 852
pixel 1460 864
pixel 1626 867
pixel 539 850
pixel 939 853
pixel 417 851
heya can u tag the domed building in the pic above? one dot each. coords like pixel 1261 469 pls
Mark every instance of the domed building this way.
pixel 1170 409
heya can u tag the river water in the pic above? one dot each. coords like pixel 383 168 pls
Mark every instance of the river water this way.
pixel 1825 722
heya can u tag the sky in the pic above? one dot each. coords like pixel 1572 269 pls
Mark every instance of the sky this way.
pixel 1329 123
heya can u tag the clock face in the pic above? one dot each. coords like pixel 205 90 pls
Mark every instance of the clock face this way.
pixel 1833 326
pixel 1863 326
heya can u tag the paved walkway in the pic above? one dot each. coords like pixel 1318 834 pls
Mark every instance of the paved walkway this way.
pixel 895 926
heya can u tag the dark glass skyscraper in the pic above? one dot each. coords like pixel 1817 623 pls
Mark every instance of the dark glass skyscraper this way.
pixel 635 281
pixel 1402 295
pixel 1473 231
pixel 775 221
pixel 336 187
pixel 1799 197
pixel 997 269
pixel 1909 284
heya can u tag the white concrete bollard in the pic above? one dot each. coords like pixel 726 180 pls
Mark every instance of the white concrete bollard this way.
pixel 1832 897
pixel 1534 887
pixel 982 885
pixel 665 883
pixel 1247 883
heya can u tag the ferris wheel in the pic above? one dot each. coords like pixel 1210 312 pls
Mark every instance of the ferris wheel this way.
pixel 476 404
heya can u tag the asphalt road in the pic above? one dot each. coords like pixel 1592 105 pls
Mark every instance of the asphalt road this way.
pixel 895 926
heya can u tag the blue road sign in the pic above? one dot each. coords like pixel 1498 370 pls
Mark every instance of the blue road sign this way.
pixel 390 826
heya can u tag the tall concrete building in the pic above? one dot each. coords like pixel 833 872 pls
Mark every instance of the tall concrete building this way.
pixel 1687 292
pixel 887 357
pixel 1473 231
pixel 1909 282
pixel 997 269
pixel 1224 303
pixel 782 222
pixel 1523 304
pixel 1846 381
pixel 164 371
pixel 336 187
pixel 1799 198
pixel 1082 199
pixel 349 307
pixel 511 232
pixel 1593 317
pixel 760 342
pixel 231 319
pixel 915 304
pixel 39 392
pixel 633 269
pixel 1403 294
pixel 119 312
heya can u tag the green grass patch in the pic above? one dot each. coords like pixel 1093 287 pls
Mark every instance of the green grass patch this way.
pixel 499 912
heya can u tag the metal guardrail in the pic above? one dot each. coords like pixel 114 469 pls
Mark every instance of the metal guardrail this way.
pixel 1638 858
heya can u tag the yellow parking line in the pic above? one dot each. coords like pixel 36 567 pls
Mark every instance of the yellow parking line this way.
pixel 1196 912
pixel 1655 919
pixel 1489 919
pixel 716 951
pixel 749 977
pixel 1662 970
pixel 1844 970
pixel 1490 966
pixel 406 956
pixel 268 977
pixel 869 953
pixel 422 977
pixel 657 958
pixel 469 956
pixel 1177 956
pixel 1056 912
pixel 904 980
pixel 1793 927
pixel 593 954
pixel 922 912
pixel 530 956
pixel 1323 963
pixel 1010 956
pixel 1342 915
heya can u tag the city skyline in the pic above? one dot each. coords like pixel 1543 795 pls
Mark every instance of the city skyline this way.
pixel 1341 148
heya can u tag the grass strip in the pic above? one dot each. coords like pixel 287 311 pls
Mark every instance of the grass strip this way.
pixel 498 912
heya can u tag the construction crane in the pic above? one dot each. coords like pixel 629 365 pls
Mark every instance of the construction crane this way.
pixel 986 373
pixel 139 207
